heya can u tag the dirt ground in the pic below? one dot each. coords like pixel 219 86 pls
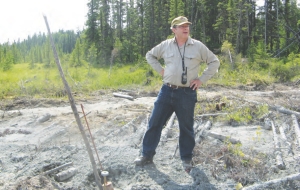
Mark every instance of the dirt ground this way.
pixel 37 135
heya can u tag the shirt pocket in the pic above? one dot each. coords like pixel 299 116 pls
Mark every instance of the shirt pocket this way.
pixel 191 61
pixel 169 57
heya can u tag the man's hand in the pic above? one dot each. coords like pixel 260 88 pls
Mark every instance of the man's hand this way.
pixel 195 84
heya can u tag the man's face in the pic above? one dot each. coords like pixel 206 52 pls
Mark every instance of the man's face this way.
pixel 182 31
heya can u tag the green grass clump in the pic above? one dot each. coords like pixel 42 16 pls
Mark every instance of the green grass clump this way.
pixel 47 82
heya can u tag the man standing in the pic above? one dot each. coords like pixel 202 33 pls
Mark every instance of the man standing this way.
pixel 182 57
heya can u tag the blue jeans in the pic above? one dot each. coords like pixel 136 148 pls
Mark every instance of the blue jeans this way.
pixel 182 102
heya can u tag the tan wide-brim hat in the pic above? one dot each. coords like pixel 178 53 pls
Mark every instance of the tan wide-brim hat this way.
pixel 179 21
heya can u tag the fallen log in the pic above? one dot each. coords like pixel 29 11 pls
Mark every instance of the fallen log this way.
pixel 267 124
pixel 165 131
pixel 277 108
pixel 58 168
pixel 284 110
pixel 139 133
pixel 279 161
pixel 196 126
pixel 204 132
pixel 285 140
pixel 199 134
pixel 123 96
pixel 44 118
pixel 273 183
pixel 223 138
pixel 64 175
pixel 296 128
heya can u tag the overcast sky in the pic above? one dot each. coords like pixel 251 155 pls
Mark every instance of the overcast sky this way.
pixel 20 18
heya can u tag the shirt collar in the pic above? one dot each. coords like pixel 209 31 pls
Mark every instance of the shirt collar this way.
pixel 189 40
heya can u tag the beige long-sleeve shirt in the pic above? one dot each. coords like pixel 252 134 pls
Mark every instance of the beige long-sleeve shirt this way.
pixel 194 54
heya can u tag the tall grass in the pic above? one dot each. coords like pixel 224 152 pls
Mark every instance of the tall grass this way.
pixel 46 82
pixel 40 81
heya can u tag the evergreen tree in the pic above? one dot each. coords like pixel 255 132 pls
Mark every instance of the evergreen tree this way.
pixel 76 56
pixel 271 25
pixel 92 35
pixel 48 53
pixel 211 12
pixel 140 37
pixel 106 37
pixel 1 54
pixel 176 9
pixel 8 61
pixel 222 23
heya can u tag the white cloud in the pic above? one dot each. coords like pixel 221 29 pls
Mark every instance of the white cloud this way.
pixel 20 18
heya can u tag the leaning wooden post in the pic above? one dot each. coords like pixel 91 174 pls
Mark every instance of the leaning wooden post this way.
pixel 71 100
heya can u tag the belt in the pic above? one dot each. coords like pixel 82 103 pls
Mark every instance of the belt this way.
pixel 174 86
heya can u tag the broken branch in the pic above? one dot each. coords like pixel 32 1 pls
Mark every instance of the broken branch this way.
pixel 58 168
pixel 198 135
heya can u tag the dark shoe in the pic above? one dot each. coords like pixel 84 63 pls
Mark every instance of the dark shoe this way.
pixel 143 161
pixel 187 165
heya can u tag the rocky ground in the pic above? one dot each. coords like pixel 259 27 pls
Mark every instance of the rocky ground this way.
pixel 37 135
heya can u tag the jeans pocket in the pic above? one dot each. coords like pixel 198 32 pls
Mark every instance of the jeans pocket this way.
pixel 190 98
pixel 190 93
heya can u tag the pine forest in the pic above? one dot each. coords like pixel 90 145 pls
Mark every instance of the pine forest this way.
pixel 121 32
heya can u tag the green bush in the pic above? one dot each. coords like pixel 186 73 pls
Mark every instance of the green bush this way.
pixel 283 73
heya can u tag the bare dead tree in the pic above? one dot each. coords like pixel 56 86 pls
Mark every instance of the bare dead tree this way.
pixel 73 106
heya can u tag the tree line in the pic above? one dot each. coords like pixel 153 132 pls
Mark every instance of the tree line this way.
pixel 123 31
